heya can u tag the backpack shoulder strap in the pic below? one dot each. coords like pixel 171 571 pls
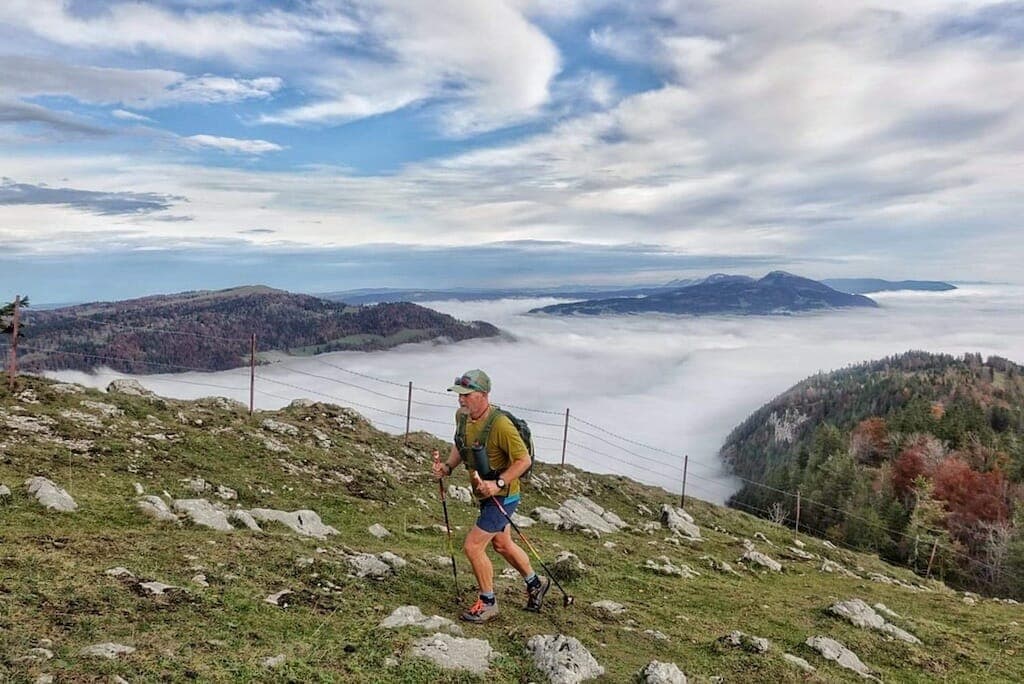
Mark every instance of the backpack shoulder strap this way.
pixel 485 433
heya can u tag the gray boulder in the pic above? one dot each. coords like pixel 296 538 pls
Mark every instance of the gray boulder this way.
pixel 749 643
pixel 131 387
pixel 156 508
pixel 378 531
pixel 679 521
pixel 798 662
pixel 563 659
pixel 455 653
pixel 412 616
pixel 662 673
pixel 244 519
pixel 608 608
pixel 50 495
pixel 662 565
pixel 758 558
pixel 279 428
pixel 860 614
pixel 830 649
pixel 5 492
pixel 305 522
pixel 460 494
pixel 108 650
pixel 368 565
pixel 203 513
pixel 580 513
pixel 546 515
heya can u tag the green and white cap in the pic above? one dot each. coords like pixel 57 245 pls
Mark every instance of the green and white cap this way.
pixel 471 381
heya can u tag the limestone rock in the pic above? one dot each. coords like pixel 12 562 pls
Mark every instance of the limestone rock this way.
pixel 663 566
pixel 107 650
pixel 662 673
pixel 129 386
pixel 67 388
pixel 395 561
pixel 798 662
pixel 202 512
pixel 378 531
pixel 522 521
pixel 156 508
pixel 455 653
pixel 226 493
pixel 568 566
pixel 761 559
pixel 368 565
pixel 608 608
pixel 279 428
pixel 222 404
pixel 460 494
pixel 546 515
pixel 271 662
pixel 244 518
pixel 747 642
pixel 412 616
pixel 580 513
pixel 5 492
pixel 831 566
pixel 305 522
pixel 50 495
pixel 679 521
pixel 156 588
pixel 108 410
pixel 278 598
pixel 830 649
pixel 860 614
pixel 563 659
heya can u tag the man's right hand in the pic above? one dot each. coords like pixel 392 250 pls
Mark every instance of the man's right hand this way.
pixel 438 468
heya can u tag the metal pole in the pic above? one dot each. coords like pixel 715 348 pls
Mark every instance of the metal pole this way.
pixel 13 368
pixel 682 495
pixel 798 511
pixel 408 413
pixel 252 374
pixel 565 435
pixel 931 558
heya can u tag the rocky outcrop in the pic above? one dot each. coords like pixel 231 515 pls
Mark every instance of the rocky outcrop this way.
pixel 412 616
pixel 305 522
pixel 679 521
pixel 455 653
pixel 830 649
pixel 50 495
pixel 662 673
pixel 563 659
pixel 860 614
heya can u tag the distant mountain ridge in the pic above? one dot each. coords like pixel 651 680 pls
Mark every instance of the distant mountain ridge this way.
pixel 722 294
pixel 865 285
pixel 377 295
pixel 211 330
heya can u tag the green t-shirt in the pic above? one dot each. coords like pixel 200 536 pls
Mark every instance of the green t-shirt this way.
pixel 504 445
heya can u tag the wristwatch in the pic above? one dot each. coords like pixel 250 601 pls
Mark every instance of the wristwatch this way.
pixel 501 483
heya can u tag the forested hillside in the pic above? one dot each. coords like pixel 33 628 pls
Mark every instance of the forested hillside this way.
pixel 212 330
pixel 902 456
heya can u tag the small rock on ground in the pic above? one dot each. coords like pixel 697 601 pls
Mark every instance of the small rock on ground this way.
pixel 563 659
pixel 455 653
pixel 107 650
pixel 833 650
pixel 662 673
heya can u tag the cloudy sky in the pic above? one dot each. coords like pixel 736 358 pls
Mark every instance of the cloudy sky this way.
pixel 316 145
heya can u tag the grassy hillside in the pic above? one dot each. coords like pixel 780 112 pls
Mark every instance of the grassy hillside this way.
pixel 55 592
pixel 211 330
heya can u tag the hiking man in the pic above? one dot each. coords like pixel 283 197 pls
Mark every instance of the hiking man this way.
pixel 495 467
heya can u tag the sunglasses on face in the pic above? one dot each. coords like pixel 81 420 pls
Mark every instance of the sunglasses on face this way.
pixel 466 381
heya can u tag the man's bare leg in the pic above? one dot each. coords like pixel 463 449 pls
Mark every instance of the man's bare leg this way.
pixel 512 552
pixel 475 548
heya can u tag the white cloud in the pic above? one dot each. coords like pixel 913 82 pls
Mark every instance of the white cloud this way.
pixel 231 144
pixel 130 116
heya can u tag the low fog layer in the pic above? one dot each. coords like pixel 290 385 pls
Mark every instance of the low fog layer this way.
pixel 677 384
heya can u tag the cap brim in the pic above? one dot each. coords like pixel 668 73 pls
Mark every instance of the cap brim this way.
pixel 459 389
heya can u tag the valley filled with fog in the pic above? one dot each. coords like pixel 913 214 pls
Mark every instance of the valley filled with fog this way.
pixel 642 390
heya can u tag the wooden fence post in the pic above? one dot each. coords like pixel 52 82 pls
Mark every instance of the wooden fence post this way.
pixel 931 559
pixel 798 511
pixel 408 413
pixel 565 435
pixel 252 374
pixel 682 495
pixel 12 369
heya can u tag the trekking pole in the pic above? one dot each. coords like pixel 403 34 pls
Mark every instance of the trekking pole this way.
pixel 448 528
pixel 567 600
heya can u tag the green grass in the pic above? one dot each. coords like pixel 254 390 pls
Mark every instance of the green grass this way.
pixel 53 583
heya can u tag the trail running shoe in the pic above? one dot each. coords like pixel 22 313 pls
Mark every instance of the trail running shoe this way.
pixel 535 595
pixel 481 612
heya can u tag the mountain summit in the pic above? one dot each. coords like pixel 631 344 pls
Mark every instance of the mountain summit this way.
pixel 778 292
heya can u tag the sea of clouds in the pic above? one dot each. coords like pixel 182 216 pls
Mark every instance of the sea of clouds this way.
pixel 642 391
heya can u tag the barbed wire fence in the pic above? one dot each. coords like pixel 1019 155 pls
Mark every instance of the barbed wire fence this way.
pixel 580 442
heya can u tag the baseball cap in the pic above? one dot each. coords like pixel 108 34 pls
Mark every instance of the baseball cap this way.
pixel 471 381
